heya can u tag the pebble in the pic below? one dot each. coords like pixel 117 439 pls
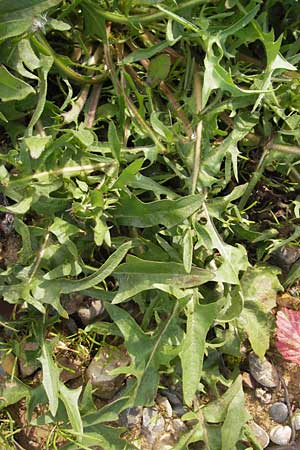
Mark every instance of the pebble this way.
pixel 263 396
pixel 71 325
pixel 281 435
pixel 72 302
pixel 131 417
pixel 72 368
pixel 165 405
pixel 279 412
pixel 98 372
pixel 173 399
pixel 285 256
pixel 179 411
pixel 153 425
pixel 263 371
pixel 88 312
pixel 260 434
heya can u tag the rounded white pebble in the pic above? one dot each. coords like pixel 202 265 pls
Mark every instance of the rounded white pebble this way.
pixel 281 435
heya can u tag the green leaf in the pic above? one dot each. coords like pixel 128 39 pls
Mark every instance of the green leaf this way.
pixel 94 23
pixel 199 320
pixel 145 53
pixel 235 419
pixel 161 128
pixel 258 327
pixel 12 88
pixel 19 208
pixel 216 411
pixel 46 64
pixel 49 291
pixel 114 141
pixel 83 136
pixel 36 145
pixel 132 212
pixel 70 398
pixel 159 68
pixel 63 230
pixel 260 285
pixel 16 17
pixel 147 352
pixel 50 374
pixel 234 258
pixel 12 391
pixel 138 275
pixel 105 436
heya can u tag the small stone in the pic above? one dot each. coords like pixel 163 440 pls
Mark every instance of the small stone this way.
pixel 164 404
pixel 285 257
pixel 263 396
pixel 281 435
pixel 296 420
pixel 153 425
pixel 72 368
pixel 179 411
pixel 71 325
pixel 172 397
pixel 263 371
pixel 98 372
pixel 88 312
pixel 260 434
pixel 71 303
pixel 131 417
pixel 279 412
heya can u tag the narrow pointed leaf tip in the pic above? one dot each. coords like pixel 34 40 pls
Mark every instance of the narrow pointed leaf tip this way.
pixel 288 334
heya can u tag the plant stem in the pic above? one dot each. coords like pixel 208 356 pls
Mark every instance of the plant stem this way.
pixel 255 178
pixel 147 18
pixel 132 109
pixel 197 152
pixel 95 94
pixel 44 47
pixel 69 170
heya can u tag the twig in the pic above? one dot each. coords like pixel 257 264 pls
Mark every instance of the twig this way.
pixel 197 152
pixel 95 94
pixel 288 404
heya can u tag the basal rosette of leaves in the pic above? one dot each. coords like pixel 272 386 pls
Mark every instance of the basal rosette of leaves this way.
pixel 137 140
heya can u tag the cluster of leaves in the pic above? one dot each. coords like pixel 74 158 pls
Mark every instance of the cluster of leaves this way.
pixel 136 140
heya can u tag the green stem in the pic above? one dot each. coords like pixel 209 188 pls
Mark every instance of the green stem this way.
pixel 255 178
pixel 145 19
pixel 67 171
pixel 44 47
